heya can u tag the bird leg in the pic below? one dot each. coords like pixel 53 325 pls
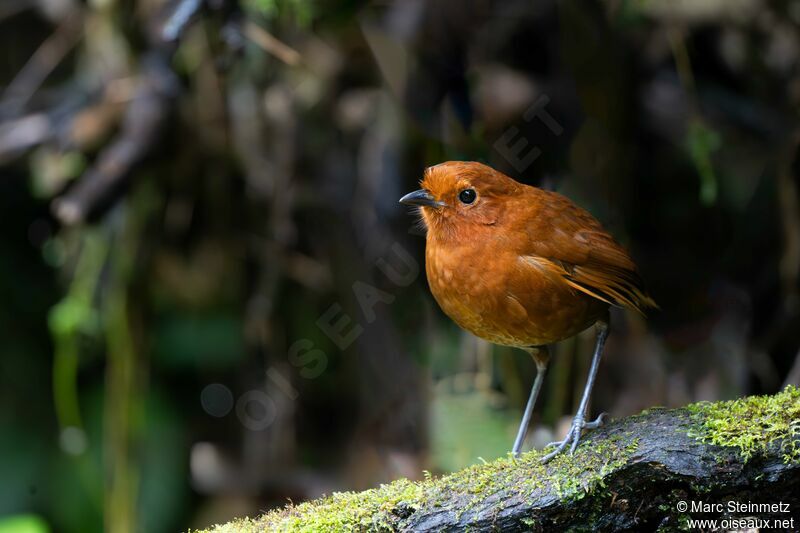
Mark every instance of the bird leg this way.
pixel 541 356
pixel 579 423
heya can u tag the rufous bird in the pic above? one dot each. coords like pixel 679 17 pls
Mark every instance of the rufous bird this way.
pixel 523 267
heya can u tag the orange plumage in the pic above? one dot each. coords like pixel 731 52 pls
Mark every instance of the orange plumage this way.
pixel 520 266
pixel 517 265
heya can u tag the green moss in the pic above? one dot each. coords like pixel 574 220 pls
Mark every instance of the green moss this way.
pixel 751 424
pixel 382 508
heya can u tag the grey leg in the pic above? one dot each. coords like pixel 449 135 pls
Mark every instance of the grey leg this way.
pixel 579 423
pixel 541 357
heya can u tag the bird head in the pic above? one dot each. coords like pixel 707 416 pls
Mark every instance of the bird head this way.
pixel 461 194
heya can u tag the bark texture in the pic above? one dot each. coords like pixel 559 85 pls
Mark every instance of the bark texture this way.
pixel 649 472
pixel 669 466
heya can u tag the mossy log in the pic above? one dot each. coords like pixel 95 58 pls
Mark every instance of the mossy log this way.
pixel 629 475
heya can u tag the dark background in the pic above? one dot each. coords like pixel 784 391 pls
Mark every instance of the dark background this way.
pixel 190 191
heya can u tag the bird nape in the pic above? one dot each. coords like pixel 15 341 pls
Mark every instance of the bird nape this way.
pixel 522 267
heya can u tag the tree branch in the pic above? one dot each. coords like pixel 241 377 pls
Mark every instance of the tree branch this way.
pixel 140 133
pixel 629 475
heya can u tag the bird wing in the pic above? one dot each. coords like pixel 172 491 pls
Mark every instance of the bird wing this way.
pixel 565 239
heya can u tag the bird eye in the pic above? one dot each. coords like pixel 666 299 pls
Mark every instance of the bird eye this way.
pixel 467 196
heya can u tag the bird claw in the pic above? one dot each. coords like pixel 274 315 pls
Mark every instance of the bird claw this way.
pixel 560 445
pixel 597 422
pixel 573 435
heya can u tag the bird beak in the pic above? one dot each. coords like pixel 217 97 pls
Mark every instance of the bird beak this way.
pixel 421 197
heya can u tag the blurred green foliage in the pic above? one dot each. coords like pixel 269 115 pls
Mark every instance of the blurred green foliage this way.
pixel 199 340
pixel 467 427
pixel 26 523
pixel 300 11
pixel 702 142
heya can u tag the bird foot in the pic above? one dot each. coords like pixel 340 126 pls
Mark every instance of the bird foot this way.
pixel 597 422
pixel 573 436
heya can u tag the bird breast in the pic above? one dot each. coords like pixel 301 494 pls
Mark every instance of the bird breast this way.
pixel 496 294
